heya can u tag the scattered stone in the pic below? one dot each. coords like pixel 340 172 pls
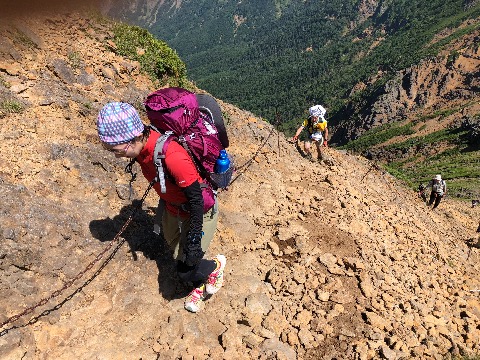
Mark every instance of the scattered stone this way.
pixel 281 350
pixel 288 282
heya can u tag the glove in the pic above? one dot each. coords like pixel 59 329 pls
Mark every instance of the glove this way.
pixel 193 249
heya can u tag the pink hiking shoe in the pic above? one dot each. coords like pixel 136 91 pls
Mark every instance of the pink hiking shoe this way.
pixel 194 300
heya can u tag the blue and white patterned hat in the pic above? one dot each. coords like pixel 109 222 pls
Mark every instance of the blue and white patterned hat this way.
pixel 118 123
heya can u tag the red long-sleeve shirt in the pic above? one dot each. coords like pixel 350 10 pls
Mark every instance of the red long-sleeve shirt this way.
pixel 179 166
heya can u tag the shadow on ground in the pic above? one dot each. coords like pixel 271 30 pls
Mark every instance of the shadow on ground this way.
pixel 140 239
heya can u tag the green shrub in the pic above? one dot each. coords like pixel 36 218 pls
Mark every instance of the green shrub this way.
pixel 22 39
pixel 445 135
pixel 10 107
pixel 226 118
pixel 4 82
pixel 378 135
pixel 75 59
pixel 457 165
pixel 468 357
pixel 439 113
pixel 157 59
pixel 452 57
pixel 442 152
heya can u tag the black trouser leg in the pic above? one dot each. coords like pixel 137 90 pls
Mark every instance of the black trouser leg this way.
pixel 196 274
pixel 432 198
pixel 437 201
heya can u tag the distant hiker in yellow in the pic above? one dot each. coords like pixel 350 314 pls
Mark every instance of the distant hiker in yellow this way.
pixel 439 189
pixel 317 131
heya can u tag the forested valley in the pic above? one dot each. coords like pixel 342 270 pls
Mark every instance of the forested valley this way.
pixel 399 78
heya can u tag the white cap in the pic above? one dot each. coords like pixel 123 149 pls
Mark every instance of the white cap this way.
pixel 438 177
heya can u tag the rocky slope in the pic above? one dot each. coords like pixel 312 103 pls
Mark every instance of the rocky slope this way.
pixel 449 81
pixel 332 260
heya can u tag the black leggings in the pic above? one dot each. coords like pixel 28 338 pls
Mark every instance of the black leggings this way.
pixel 434 196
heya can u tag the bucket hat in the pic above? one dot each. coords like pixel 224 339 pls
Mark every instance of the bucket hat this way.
pixel 118 123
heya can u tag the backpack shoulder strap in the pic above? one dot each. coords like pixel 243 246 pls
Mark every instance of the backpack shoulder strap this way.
pixel 158 158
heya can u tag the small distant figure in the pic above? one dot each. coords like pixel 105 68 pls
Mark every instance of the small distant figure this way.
pixel 477 245
pixel 439 189
pixel 421 192
pixel 317 131
pixel 475 203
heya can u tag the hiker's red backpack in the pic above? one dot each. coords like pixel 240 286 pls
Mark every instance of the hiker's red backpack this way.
pixel 193 120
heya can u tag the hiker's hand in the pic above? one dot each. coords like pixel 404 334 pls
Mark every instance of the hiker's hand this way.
pixel 295 137
pixel 193 249
pixel 325 143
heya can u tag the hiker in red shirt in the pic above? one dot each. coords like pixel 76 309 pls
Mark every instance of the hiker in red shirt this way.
pixel 187 227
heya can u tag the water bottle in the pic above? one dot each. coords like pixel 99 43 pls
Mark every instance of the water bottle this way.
pixel 223 162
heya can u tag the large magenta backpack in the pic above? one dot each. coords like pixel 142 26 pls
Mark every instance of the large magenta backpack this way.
pixel 177 114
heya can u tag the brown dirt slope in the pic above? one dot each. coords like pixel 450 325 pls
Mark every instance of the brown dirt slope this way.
pixel 325 261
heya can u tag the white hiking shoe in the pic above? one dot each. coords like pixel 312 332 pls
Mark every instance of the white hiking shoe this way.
pixel 215 279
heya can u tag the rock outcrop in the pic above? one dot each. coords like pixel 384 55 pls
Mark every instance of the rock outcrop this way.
pixel 449 80
pixel 325 261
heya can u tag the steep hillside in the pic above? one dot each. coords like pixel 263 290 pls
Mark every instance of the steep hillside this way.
pixel 427 121
pixel 448 82
pixel 399 79
pixel 332 260
pixel 283 56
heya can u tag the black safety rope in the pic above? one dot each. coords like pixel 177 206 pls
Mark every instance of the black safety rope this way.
pixel 133 177
pixel 242 169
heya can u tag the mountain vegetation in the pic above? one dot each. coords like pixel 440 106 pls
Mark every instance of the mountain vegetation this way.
pixel 382 69
pixel 281 57
pixel 156 58
pixel 83 277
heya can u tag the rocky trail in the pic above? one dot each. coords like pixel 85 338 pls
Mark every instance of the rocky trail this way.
pixel 332 260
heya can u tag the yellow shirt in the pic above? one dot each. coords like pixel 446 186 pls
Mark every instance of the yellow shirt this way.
pixel 318 126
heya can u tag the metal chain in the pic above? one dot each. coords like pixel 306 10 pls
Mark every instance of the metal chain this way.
pixel 69 283
pixel 243 168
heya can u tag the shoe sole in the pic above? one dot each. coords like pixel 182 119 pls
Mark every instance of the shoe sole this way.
pixel 192 310
pixel 195 308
